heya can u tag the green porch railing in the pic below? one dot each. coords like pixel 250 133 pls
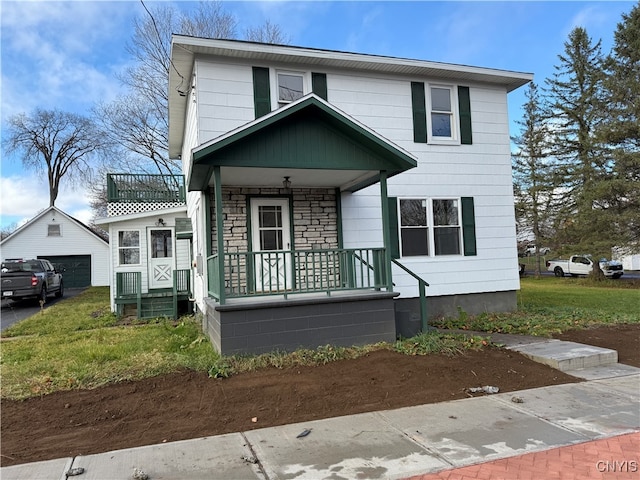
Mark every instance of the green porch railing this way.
pixel 213 274
pixel 126 187
pixel 422 290
pixel 297 271
pixel 181 286
pixel 128 289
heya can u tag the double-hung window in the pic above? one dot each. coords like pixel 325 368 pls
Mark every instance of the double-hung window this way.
pixel 446 227
pixel 441 113
pixel 129 247
pixel 290 87
pixel 273 87
pixel 414 229
pixel 430 227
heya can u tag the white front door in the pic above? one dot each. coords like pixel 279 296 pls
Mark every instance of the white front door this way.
pixel 161 258
pixel 271 238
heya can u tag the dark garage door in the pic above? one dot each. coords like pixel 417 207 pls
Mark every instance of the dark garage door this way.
pixel 76 269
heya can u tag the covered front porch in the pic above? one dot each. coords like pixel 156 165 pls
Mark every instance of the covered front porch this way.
pixel 277 272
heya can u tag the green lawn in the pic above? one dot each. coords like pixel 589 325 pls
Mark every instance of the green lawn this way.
pixel 548 305
pixel 79 343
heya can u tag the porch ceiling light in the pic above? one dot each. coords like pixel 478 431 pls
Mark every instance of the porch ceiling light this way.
pixel 286 184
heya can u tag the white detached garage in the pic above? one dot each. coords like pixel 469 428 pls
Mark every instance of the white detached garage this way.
pixel 68 243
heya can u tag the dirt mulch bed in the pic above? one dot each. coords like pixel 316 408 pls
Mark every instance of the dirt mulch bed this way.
pixel 190 405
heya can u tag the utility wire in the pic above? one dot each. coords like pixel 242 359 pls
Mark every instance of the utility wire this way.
pixel 155 26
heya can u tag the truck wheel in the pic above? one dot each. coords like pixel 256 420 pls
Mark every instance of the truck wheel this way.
pixel 558 272
pixel 60 291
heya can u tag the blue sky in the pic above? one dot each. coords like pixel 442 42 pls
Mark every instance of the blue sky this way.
pixel 65 55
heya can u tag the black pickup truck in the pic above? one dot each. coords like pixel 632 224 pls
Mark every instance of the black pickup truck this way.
pixel 23 279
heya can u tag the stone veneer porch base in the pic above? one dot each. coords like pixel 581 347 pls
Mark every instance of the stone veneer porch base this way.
pixel 265 324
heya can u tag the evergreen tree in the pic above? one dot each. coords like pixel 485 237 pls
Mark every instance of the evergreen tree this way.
pixel 621 132
pixel 532 171
pixel 576 90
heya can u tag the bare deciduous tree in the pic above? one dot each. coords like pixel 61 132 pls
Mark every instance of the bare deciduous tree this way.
pixel 268 33
pixel 139 121
pixel 59 144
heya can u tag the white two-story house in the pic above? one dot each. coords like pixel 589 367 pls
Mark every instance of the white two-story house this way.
pixel 340 198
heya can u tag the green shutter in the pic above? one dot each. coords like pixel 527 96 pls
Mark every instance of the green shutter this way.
pixel 319 84
pixel 261 91
pixel 394 234
pixel 419 112
pixel 469 226
pixel 464 110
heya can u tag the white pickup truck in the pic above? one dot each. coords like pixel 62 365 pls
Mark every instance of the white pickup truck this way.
pixel 582 265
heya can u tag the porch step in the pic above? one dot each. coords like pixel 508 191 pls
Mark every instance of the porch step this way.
pixel 157 306
pixel 567 356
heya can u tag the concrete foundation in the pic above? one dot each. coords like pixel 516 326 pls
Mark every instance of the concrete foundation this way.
pixel 408 309
pixel 261 325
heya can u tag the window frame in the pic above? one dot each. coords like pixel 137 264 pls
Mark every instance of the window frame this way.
pixel 458 226
pixel 121 248
pixel 402 227
pixel 306 85
pixel 431 227
pixel 49 234
pixel 454 115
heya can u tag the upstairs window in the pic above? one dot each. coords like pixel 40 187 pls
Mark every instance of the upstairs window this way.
pixel 53 230
pixel 441 113
pixel 290 88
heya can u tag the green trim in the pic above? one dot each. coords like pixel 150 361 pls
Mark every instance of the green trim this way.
pixel 468 226
pixel 261 91
pixel 305 117
pixel 419 110
pixel 393 228
pixel 199 177
pixel 386 235
pixel 184 229
pixel 319 84
pixel 207 225
pixel 464 111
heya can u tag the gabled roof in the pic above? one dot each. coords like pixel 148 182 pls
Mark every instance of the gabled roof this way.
pixel 309 134
pixel 184 49
pixel 58 212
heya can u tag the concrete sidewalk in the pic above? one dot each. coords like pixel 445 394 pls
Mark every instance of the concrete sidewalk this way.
pixel 401 443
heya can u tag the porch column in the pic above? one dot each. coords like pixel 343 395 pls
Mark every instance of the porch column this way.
pixel 217 185
pixel 386 232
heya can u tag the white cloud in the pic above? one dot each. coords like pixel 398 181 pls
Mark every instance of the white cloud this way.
pixel 62 54
pixel 22 197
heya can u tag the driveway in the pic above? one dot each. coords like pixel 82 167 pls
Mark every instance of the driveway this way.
pixel 13 312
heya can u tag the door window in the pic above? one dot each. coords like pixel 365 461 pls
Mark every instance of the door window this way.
pixel 270 227
pixel 161 244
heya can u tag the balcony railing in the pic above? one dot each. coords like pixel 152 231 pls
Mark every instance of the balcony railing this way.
pixel 247 274
pixel 125 187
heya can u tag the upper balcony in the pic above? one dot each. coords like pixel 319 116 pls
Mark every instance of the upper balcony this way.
pixel 145 188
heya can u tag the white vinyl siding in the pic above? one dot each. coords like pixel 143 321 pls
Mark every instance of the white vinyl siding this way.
pixel 445 170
